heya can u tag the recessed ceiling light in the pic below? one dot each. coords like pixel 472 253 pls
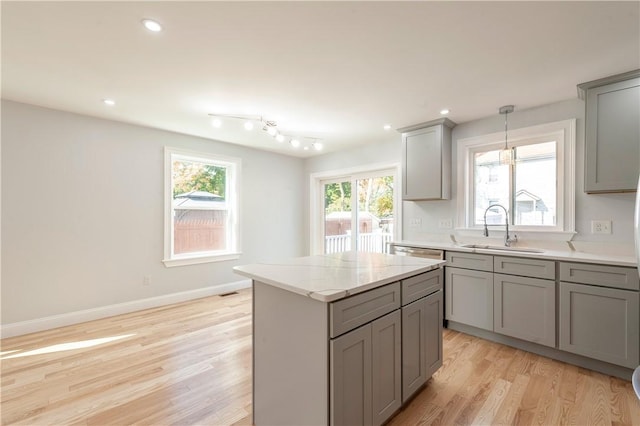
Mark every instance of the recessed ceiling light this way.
pixel 280 138
pixel 317 146
pixel 109 102
pixel 387 127
pixel 444 111
pixel 306 148
pixel 248 125
pixel 216 122
pixel 295 143
pixel 152 25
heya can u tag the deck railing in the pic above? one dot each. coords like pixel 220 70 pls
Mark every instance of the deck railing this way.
pixel 372 242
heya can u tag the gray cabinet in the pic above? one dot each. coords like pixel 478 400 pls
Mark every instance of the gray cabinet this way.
pixel 525 308
pixel 599 312
pixel 386 383
pixel 351 378
pixel 365 372
pixel 600 323
pixel 612 133
pixel 434 313
pixel 469 297
pixel 426 160
pixel 421 342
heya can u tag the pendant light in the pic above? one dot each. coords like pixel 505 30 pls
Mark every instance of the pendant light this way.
pixel 506 155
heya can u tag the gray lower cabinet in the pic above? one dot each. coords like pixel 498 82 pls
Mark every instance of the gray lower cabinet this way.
pixel 434 314
pixel 600 323
pixel 421 342
pixel 366 373
pixel 351 378
pixel 469 297
pixel 525 308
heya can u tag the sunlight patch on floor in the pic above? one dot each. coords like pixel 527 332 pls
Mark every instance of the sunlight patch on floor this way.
pixel 81 344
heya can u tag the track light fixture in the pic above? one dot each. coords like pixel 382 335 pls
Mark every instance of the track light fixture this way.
pixel 269 127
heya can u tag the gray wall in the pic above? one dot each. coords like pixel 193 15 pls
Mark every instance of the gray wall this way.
pixel 616 207
pixel 82 212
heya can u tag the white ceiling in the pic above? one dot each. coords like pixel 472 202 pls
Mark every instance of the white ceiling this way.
pixel 336 71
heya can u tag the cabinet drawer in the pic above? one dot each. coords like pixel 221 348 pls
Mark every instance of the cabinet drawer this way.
pixel 602 275
pixel 534 268
pixel 421 285
pixel 354 311
pixel 479 262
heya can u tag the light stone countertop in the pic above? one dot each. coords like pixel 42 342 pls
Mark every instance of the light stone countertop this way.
pixel 331 277
pixel 562 255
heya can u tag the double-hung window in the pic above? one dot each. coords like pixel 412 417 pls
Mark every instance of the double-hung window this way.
pixel 536 188
pixel 201 207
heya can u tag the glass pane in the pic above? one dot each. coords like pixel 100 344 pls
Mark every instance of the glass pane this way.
pixel 375 214
pixel 337 217
pixel 491 186
pixel 535 184
pixel 200 216
pixel 199 230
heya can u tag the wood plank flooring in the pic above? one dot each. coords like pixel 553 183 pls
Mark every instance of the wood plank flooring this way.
pixel 190 363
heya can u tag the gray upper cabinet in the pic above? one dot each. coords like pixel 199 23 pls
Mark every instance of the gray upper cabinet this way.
pixel 612 133
pixel 426 160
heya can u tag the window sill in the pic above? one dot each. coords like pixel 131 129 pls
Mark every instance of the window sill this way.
pixel 195 260
pixel 526 233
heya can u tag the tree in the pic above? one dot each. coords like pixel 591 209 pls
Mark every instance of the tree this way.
pixel 189 176
pixel 337 197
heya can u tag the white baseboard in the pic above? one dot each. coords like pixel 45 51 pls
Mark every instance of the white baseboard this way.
pixel 54 321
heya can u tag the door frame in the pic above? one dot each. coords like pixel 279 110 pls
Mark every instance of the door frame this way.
pixel 316 198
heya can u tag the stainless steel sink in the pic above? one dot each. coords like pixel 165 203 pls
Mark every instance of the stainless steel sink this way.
pixel 502 248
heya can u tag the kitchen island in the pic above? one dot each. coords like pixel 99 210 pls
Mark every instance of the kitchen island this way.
pixel 344 338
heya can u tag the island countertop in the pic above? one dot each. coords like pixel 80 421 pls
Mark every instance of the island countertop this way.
pixel 330 277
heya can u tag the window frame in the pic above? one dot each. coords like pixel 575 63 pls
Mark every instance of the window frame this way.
pixel 563 132
pixel 232 198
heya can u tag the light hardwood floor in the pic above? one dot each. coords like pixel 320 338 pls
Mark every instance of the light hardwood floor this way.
pixel 190 363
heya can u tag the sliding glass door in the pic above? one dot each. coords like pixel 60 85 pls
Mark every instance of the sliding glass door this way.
pixel 358 212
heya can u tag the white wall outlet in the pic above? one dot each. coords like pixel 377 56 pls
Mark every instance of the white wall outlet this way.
pixel 146 280
pixel 600 226
pixel 415 222
pixel 445 223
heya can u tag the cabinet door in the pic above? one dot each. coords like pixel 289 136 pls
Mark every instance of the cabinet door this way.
pixel 433 328
pixel 414 343
pixel 386 383
pixel 612 150
pixel 525 308
pixel 351 378
pixel 469 297
pixel 425 169
pixel 600 323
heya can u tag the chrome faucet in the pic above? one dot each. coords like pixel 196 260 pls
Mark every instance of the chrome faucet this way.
pixel 507 238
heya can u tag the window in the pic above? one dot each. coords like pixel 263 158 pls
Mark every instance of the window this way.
pixel 201 208
pixel 537 189
pixel 354 210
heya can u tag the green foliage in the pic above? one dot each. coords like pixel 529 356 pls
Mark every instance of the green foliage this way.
pixel 191 176
pixel 337 197
pixel 375 195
